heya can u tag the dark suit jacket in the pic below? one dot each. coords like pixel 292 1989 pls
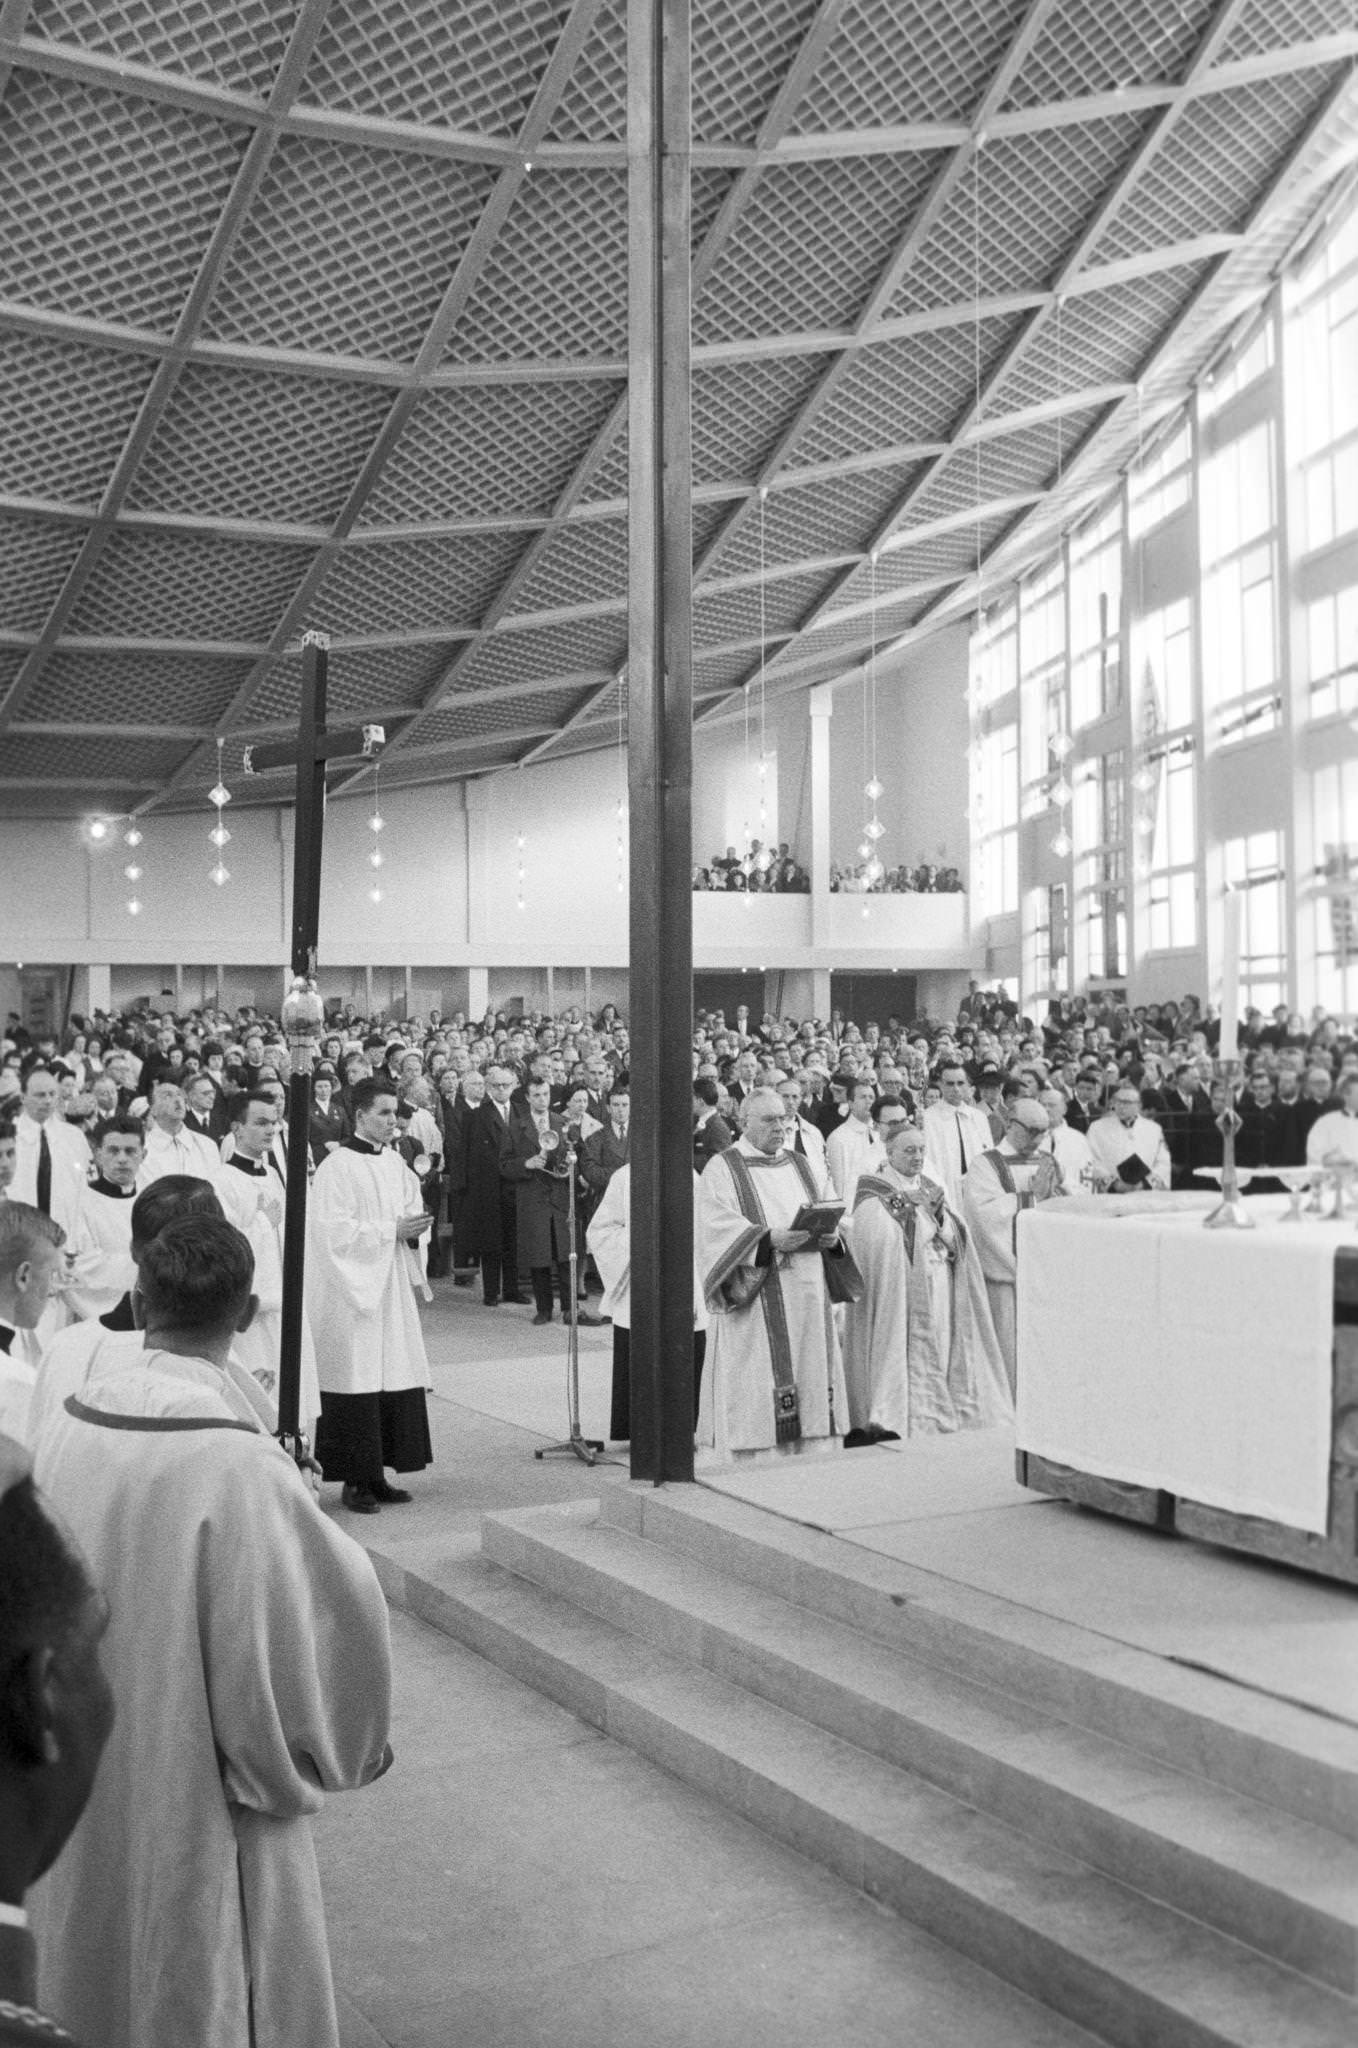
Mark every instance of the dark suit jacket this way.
pixel 543 1198
pixel 488 1142
pixel 600 1157
pixel 715 1135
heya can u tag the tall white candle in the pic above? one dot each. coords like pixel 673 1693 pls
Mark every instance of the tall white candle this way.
pixel 1228 1044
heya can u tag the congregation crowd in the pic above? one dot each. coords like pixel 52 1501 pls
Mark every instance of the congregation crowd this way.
pixel 856 1192
pixel 772 870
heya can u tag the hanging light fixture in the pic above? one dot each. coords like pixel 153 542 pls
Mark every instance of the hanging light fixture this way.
pixel 622 784
pixel 219 796
pixel 376 826
pixel 521 843
pixel 873 788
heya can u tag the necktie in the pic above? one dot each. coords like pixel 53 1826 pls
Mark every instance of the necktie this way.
pixel 798 1142
pixel 961 1141
pixel 44 1174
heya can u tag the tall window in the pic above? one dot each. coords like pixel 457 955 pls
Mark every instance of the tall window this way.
pixel 1330 901
pixel 994 656
pixel 1240 673
pixel 1332 653
pixel 1046 949
pixel 1101 865
pixel 1255 866
pixel 1095 618
pixel 995 812
pixel 1326 388
pixel 1043 681
pixel 1163 483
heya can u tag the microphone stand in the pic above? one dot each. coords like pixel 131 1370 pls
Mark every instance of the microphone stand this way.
pixel 586 1449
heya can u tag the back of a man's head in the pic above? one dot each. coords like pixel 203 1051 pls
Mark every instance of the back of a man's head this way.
pixel 55 1705
pixel 195 1277
pixel 173 1195
pixel 22 1229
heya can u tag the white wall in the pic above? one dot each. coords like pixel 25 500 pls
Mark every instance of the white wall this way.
pixel 922 740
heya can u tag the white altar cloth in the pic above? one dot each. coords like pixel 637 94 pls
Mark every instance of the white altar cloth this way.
pixel 1196 1361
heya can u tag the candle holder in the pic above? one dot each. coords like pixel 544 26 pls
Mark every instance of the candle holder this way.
pixel 1230 1212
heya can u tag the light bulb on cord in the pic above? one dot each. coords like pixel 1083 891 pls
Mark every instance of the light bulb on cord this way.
pixel 375 858
pixel 374 895
pixel 132 838
pixel 133 907
pixel 98 829
pixel 1062 844
pixel 376 822
pixel 133 872
pixel 221 875
pixel 873 790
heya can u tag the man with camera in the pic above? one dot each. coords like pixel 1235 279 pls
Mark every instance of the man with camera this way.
pixel 536 1164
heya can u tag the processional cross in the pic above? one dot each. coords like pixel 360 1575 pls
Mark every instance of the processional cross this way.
pixel 303 1014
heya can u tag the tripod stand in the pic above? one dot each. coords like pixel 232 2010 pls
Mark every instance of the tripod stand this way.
pixel 586 1449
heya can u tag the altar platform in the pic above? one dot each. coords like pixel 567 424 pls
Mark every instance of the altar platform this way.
pixel 1114 1767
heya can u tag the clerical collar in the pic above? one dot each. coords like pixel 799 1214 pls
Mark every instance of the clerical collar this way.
pixel 243 1164
pixel 100 1186
pixel 6 1338
pixel 357 1144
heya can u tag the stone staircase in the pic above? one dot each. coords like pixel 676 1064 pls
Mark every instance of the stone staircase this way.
pixel 1168 1859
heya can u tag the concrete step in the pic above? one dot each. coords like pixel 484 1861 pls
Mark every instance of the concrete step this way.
pixel 1133 1972
pixel 1286 1755
pixel 1282 1885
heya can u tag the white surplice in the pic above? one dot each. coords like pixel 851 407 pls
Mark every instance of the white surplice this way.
pixel 794 1324
pixel 248 1654
pixel 254 1203
pixel 102 1271
pixel 360 1281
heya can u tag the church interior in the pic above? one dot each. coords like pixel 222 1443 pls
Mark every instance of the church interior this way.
pixel 1020 456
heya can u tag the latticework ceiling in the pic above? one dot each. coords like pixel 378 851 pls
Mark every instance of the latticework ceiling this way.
pixel 313 314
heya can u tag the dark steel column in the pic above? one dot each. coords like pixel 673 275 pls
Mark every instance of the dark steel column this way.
pixel 306 899
pixel 660 737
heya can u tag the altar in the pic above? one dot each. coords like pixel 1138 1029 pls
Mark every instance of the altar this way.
pixel 1204 1381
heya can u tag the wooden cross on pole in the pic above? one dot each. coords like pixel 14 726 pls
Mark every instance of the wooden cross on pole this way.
pixel 303 1014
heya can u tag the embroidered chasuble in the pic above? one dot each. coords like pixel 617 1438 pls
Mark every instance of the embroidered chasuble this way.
pixel 920 1351
pixel 774 1373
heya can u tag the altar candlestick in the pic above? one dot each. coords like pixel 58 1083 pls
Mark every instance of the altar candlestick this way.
pixel 1229 1038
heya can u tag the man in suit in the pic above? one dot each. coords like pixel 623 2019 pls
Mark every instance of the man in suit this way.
pixel 1084 1108
pixel 535 1166
pixel 606 1149
pixel 490 1194
pixel 711 1132
pixel 205 1112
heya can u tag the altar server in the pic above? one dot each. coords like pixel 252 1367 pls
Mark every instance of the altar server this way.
pixel 31 1266
pixel 1128 1149
pixel 252 1197
pixel 920 1352
pixel 101 1244
pixel 363 1272
pixel 775 1376
pixel 1013 1175
pixel 247 1651
pixel 609 1238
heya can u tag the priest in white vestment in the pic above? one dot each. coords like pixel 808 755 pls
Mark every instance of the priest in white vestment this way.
pixel 854 1147
pixel 363 1272
pixel 102 1269
pixel 955 1131
pixel 252 1196
pixel 248 1653
pixel 1013 1175
pixel 774 1376
pixel 920 1353
pixel 1128 1149
pixel 1333 1138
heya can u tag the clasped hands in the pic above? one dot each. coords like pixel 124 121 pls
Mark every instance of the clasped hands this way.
pixel 409 1229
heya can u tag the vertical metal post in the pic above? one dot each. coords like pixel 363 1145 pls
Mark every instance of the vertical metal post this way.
pixel 306 911
pixel 660 735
